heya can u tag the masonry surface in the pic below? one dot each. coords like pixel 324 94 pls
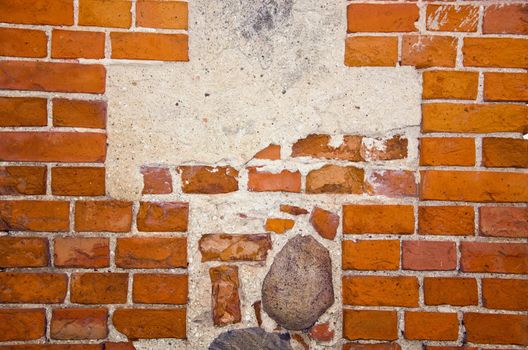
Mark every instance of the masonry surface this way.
pixel 171 171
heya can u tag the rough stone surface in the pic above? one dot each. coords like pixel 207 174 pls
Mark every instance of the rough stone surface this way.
pixel 251 339
pixel 298 288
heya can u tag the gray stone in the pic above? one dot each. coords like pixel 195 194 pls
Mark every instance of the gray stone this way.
pixel 298 288
pixel 251 339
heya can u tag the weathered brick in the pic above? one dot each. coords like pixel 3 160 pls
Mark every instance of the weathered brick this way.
pixel 391 183
pixel 150 46
pixel 32 215
pixel 335 179
pixel 285 181
pixel 474 186
pixel 272 152
pixel 90 252
pixel 53 76
pixel 77 44
pixel 319 146
pixel 71 324
pixel 501 152
pixel 160 289
pixel 151 253
pixel 225 297
pixel 446 220
pixel 59 347
pixel 450 85
pixel 503 222
pixel 107 216
pixel 374 149
pixel 376 346
pixel 156 180
pixel 496 329
pixel 384 219
pixel 99 288
pixel 321 332
pixel 380 291
pixel 429 255
pixel 208 179
pixel 324 222
pixel 293 210
pixel 151 323
pixel 23 42
pixel 494 257
pixel 163 216
pixel 278 225
pixel 78 181
pixel 447 151
pixel 119 346
pixel 79 113
pixel 506 86
pixel 162 14
pixel 452 18
pixel 23 252
pixel 428 347
pixel 382 17
pixel 22 324
pixel 505 18
pixel 370 324
pixel 371 255
pixel 52 12
pixel 33 288
pixel 505 294
pixel 431 326
pixel 372 51
pixel 105 13
pixel 17 180
pixel 428 51
pixel 23 111
pixel 455 291
pixel 234 247
pixel 495 52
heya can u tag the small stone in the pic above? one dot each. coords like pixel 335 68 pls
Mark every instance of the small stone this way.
pixel 278 225
pixel 251 339
pixel 293 210
pixel 298 288
pixel 325 223
pixel 234 247
pixel 321 332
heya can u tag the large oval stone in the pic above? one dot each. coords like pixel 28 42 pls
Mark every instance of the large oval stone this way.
pixel 298 288
pixel 251 339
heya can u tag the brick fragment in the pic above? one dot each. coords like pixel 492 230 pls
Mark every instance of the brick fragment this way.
pixel 160 289
pixel 494 257
pixel 105 13
pixel 77 44
pixel 285 181
pixel 424 51
pixel 447 151
pixel 78 181
pixel 324 222
pixel 371 255
pixel 90 252
pixel 319 146
pixel 446 220
pixel 496 329
pixel 505 153
pixel 163 216
pixel 151 253
pixel 225 296
pixel 293 210
pixel 71 324
pixel 452 18
pixel 99 288
pixel 370 324
pixel 495 52
pixel 505 18
pixel 58 347
pixel 34 215
pixel 151 323
pixel 33 288
pixel 335 179
pixel 374 51
pixel 391 183
pixel 52 12
pixel 156 180
pixel 23 42
pixel 150 46
pixel 382 17
pixel 505 294
pixel 162 14
pixel 380 291
pixel 272 152
pixel 22 324
pixel 23 111
pixel 383 219
pixel 374 149
pixel 279 225
pixel 450 291
pixel 321 332
pixel 503 222
pixel 22 180
pixel 431 326
pixel 429 255
pixel 79 113
pixel 23 252
pixel 234 247
pixel 208 179
pixel 99 216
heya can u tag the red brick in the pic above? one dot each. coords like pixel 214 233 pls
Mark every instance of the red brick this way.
pixel 99 216
pixel 163 216
pixel 23 252
pixel 33 288
pixel 371 51
pixel 380 291
pixel 506 86
pixel 160 289
pixel 79 113
pixel 382 17
pixel 505 294
pixel 150 46
pixel 161 14
pixel 78 181
pixel 57 347
pixel 505 18
pixel 374 149
pixel 450 291
pixel 454 18
pixel 234 247
pixel 495 52
pixel 427 347
pixel 151 253
pixel 225 296
pixel 90 252
pixel 431 326
pixel 319 146
pixel 391 183
pixel 17 180
pixel 496 329
pixel 208 180
pixel 504 222
pixel 501 152
pixel 377 346
pixel 156 180
pixel 429 51
pixel 324 222
pixel 272 152
pixel 384 219
pixel 22 324
pixel 77 44
pixel 429 255
pixel 446 220
pixel 285 181
pixel 32 215
pixel 52 12
pixel 23 111
pixel 321 332
pixel 293 210
pixel 72 324
pixel 53 77
pixel 278 225
pixel 450 85
pixel 119 346
pixel 447 151
pixel 105 13
pixel 371 255
pixel 99 288
pixel 23 42
pixel 151 323
pixel 370 324
pixel 335 179
pixel 494 257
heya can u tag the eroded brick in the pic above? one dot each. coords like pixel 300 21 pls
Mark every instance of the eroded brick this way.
pixel 151 323
pixel 22 180
pixel 23 252
pixel 99 216
pixel 22 324
pixel 335 179
pixel 99 288
pixel 285 181
pixel 156 180
pixel 319 146
pixel 163 216
pixel 503 222
pixel 279 225
pixel 92 252
pixel 70 324
pixel 33 288
pixel 208 179
pixel 234 247
pixel 151 253
pixel 34 215
pixel 225 296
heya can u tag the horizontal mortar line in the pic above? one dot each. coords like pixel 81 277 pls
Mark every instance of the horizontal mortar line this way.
pixel 60 270
pixel 71 305
pixel 440 309
pixel 510 135
pixel 85 61
pixel 473 168
pixel 102 234
pixel 438 238
pixel 53 164
pixel 457 35
pixel 474 69
pixel 52 129
pixel 80 28
pixel 53 95
pixel 432 273
pixel 474 102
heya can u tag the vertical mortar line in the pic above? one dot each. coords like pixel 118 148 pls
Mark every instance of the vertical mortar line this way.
pixel 112 243
pixel 480 91
pixel 135 210
pixel 400 45
pixel 478 151
pixel 75 12
pixel 133 14
pixel 480 20
pixel 459 64
pixel 129 289
pixel 48 179
pixel 49 33
pixel 477 220
pixel 48 321
pixel 49 112
pixel 479 291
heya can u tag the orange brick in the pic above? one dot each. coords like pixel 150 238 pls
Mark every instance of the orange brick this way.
pixel 278 225
pixel 382 17
pixel 77 44
pixel 474 186
pixel 495 52
pixel 371 255
pixel 450 85
pixel 53 77
pixel 391 183
pixel 92 252
pixel 431 326
pixel 52 12
pixel 72 324
pixel 78 181
pixel 61 347
pixel 208 179
pixel 496 329
pixel 22 324
pixel 23 111
pixel 160 289
pixel 318 146
pixel 506 86
pixel 33 288
pixel 285 181
pixel 150 46
pixel 163 216
pixel 506 18
pixel 156 180
pixel 23 252
pixel 234 247
pixel 371 51
pixel 151 253
pixel 79 113
pixel 380 291
pixel 99 288
pixel 119 346
pixel 23 42
pixel 161 14
pixel 151 323
pixel 447 151
pixel 33 215
pixel 505 294
pixel 429 51
pixel 16 180
pixel 499 152
pixel 494 257
pixel 504 222
pixel 444 220
pixel 384 219
pixel 377 346
pixel 429 255
pixel 474 118
pixel 453 18
pixel 272 152
pixel 293 210
pixel 385 148
pixel 105 13
pixel 98 216
pixel 335 179
pixel 370 324
pixel 450 291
